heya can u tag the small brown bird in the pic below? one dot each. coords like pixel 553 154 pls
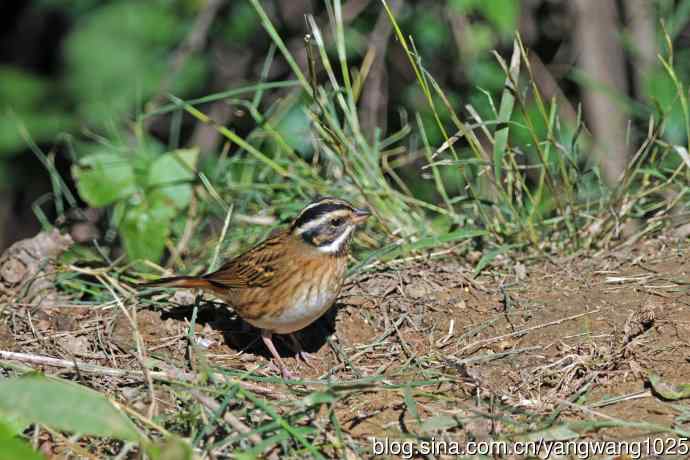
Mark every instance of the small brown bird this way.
pixel 289 280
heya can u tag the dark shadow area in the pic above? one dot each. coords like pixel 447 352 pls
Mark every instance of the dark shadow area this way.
pixel 242 336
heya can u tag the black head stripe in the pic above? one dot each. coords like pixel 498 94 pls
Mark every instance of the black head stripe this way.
pixel 318 210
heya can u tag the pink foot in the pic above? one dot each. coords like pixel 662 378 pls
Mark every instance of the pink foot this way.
pixel 309 359
pixel 287 374
pixel 277 360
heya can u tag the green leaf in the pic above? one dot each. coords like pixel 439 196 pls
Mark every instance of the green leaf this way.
pixel 13 447
pixel 14 422
pixel 169 177
pixel 104 178
pixel 144 229
pixel 174 167
pixel 64 406
pixel 107 77
pixel 668 391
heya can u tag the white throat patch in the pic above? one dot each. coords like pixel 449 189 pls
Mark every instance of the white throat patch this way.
pixel 335 245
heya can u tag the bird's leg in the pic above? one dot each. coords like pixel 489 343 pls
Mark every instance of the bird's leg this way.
pixel 306 357
pixel 266 336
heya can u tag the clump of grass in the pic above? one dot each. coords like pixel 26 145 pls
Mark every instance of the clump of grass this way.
pixel 525 176
pixel 547 189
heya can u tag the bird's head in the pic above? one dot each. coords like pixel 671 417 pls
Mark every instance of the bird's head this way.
pixel 327 224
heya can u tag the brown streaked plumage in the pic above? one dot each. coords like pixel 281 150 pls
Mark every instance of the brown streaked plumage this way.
pixel 290 279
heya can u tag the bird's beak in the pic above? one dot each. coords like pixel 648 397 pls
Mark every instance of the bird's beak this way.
pixel 360 215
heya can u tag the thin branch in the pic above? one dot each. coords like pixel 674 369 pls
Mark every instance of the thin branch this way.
pixel 172 375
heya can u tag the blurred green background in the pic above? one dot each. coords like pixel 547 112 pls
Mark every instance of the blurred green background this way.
pixel 82 82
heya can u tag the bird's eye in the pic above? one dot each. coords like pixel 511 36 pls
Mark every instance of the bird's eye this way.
pixel 337 222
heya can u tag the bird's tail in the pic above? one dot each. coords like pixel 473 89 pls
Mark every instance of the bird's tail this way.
pixel 179 282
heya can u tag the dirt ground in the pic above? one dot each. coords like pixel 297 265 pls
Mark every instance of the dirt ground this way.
pixel 567 340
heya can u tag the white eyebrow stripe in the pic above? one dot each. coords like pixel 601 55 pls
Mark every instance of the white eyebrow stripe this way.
pixel 336 244
pixel 312 224
pixel 318 203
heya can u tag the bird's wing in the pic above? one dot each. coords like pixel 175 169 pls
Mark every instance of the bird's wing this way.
pixel 255 268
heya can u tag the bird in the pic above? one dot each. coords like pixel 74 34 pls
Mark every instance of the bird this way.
pixel 289 280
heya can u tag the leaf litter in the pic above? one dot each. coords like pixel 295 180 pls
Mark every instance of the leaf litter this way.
pixel 562 346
